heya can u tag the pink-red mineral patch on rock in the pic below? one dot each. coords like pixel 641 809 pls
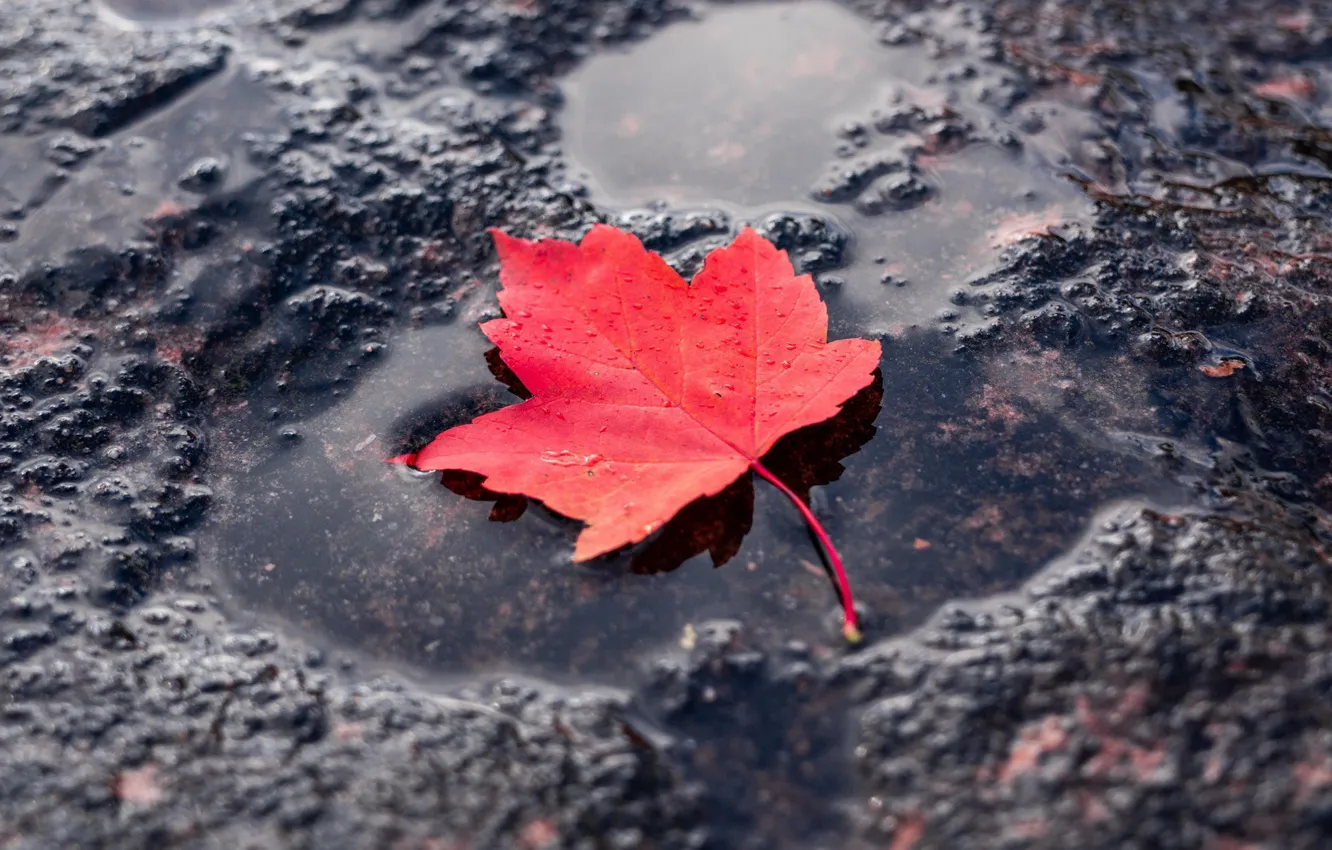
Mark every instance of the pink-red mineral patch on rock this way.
pixel 139 786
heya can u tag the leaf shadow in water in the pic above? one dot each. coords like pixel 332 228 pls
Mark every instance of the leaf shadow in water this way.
pixel 804 459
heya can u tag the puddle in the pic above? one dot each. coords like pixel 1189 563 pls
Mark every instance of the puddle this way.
pixel 799 107
pixel 157 14
pixel 963 492
pixel 736 107
pixel 113 189
pixel 908 266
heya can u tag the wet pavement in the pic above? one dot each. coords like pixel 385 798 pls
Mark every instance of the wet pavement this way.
pixel 242 261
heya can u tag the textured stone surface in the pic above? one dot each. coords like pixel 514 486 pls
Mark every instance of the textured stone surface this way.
pixel 1162 686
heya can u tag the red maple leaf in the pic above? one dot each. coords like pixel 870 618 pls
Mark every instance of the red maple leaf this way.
pixel 649 393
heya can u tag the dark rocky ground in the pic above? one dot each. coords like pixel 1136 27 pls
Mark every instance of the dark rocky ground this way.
pixel 164 283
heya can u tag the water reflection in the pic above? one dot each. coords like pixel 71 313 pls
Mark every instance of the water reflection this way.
pixel 116 188
pixel 972 482
pixel 798 107
pixel 978 474
pixel 735 107
pixel 164 12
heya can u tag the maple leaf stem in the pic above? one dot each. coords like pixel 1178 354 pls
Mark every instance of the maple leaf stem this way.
pixel 850 626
